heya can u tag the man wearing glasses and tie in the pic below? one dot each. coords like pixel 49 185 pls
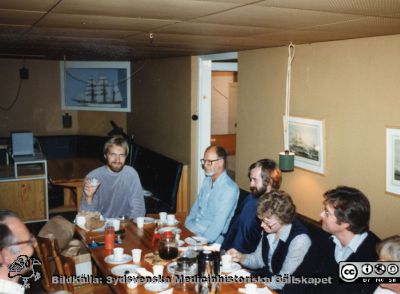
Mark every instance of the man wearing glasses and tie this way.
pixel 15 240
pixel 114 189
pixel 214 206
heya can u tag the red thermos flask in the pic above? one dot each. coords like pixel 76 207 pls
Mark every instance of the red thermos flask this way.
pixel 109 237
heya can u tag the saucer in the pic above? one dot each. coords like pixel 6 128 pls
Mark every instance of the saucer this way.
pixel 110 259
pixel 176 222
pixel 147 220
pixel 196 241
pixel 234 267
pixel 124 269
pixel 156 287
pixel 166 229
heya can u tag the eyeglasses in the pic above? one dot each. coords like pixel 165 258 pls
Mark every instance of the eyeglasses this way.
pixel 31 241
pixel 208 162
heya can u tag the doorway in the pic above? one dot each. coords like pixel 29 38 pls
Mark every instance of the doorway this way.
pixel 206 65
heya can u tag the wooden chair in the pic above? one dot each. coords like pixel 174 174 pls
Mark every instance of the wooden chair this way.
pixel 49 253
pixel 68 269
pixel 46 250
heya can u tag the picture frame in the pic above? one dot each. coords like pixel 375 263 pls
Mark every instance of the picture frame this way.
pixel 96 85
pixel 393 160
pixel 306 140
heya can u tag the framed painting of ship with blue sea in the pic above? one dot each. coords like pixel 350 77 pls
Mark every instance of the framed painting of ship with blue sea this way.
pixel 306 140
pixel 96 85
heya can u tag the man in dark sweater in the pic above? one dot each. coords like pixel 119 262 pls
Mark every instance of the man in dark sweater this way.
pixel 245 231
pixel 346 217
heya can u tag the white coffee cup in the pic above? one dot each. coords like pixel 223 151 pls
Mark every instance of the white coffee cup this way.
pixel 163 217
pixel 250 288
pixel 80 220
pixel 136 255
pixel 132 282
pixel 116 223
pixel 158 270
pixel 171 219
pixel 118 253
pixel 226 261
pixel 140 222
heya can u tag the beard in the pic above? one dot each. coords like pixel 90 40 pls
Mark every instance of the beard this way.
pixel 210 174
pixel 115 166
pixel 258 192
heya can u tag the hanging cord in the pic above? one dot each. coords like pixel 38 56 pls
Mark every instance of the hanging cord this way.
pixel 15 99
pixel 291 51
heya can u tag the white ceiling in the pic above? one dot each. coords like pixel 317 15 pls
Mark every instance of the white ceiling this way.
pixel 128 29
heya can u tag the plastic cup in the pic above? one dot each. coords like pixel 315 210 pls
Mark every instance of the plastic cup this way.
pixel 140 222
pixel 171 219
pixel 163 217
pixel 136 255
pixel 94 182
pixel 116 223
pixel 158 270
pixel 250 288
pixel 226 261
pixel 118 253
pixel 132 282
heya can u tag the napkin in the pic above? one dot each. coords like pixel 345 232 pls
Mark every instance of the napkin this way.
pixel 168 291
pixel 144 272
pixel 240 273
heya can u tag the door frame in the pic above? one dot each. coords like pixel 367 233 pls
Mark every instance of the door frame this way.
pixel 206 64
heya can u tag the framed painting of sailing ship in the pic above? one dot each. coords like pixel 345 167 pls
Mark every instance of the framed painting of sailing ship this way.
pixel 306 140
pixel 393 160
pixel 96 85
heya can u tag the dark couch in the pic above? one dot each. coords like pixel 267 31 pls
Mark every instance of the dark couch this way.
pixel 72 146
pixel 158 173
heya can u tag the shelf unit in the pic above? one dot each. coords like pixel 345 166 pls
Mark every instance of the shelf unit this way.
pixel 24 191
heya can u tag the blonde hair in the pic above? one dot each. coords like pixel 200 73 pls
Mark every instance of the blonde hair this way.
pixel 117 141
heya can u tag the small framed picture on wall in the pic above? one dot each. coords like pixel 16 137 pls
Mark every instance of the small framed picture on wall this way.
pixel 306 140
pixel 393 160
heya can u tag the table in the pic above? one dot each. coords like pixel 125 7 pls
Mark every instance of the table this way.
pixel 139 238
pixel 69 174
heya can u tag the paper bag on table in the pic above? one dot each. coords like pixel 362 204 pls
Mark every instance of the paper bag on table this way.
pixel 83 264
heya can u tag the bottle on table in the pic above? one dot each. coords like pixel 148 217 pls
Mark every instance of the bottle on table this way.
pixel 109 237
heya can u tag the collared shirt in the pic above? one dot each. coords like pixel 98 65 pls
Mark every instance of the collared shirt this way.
pixel 296 252
pixel 343 252
pixel 11 287
pixel 273 242
pixel 213 208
